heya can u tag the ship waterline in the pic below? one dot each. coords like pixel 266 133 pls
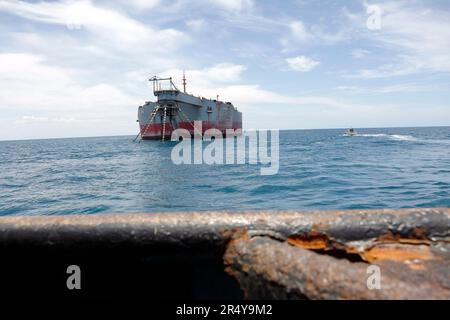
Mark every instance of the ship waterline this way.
pixel 175 109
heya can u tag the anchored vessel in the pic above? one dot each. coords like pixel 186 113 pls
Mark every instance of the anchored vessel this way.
pixel 177 109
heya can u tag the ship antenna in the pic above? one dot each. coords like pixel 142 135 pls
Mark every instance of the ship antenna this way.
pixel 184 82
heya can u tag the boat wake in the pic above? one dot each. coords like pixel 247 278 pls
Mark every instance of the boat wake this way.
pixel 400 137
pixel 388 136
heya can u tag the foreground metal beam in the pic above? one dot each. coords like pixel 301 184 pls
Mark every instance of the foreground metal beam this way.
pixel 217 228
pixel 316 255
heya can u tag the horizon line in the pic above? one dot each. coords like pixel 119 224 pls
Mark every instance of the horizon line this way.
pixel 291 129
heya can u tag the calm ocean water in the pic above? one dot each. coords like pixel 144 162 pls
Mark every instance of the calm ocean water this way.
pixel 319 169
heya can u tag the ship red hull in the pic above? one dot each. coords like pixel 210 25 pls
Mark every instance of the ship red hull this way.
pixel 155 130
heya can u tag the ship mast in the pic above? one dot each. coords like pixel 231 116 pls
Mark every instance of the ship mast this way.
pixel 184 82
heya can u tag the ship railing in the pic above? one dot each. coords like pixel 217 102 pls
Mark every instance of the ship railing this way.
pixel 163 85
pixel 290 254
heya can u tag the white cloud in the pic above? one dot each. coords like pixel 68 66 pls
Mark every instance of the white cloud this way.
pixel 96 52
pixel 32 92
pixel 360 53
pixel 247 94
pixel 234 5
pixel 253 94
pixel 33 119
pixel 108 26
pixel 316 34
pixel 298 31
pixel 324 36
pixel 225 80
pixel 407 65
pixel 222 72
pixel 201 80
pixel 419 36
pixel 142 4
pixel 196 24
pixel 27 81
pixel 302 63
pixel 396 88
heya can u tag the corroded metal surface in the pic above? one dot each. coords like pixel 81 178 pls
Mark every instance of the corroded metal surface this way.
pixel 216 228
pixel 316 255
pixel 270 269
pixel 330 259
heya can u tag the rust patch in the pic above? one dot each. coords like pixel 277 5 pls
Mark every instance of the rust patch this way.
pixel 412 251
pixel 311 241
pixel 321 243
pixel 398 252
pixel 281 271
pixel 418 237
pixel 246 268
pixel 417 266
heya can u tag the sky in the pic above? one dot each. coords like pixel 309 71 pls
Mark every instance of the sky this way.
pixel 81 68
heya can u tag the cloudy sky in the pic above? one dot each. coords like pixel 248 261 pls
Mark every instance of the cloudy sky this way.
pixel 79 68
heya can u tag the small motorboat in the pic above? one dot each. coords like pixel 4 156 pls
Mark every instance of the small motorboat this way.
pixel 350 132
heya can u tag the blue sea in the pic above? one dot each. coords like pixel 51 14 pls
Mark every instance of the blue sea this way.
pixel 319 169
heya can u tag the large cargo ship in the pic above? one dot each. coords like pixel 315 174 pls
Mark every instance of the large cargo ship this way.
pixel 177 109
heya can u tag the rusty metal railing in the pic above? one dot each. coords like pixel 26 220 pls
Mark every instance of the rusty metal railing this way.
pixel 279 255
